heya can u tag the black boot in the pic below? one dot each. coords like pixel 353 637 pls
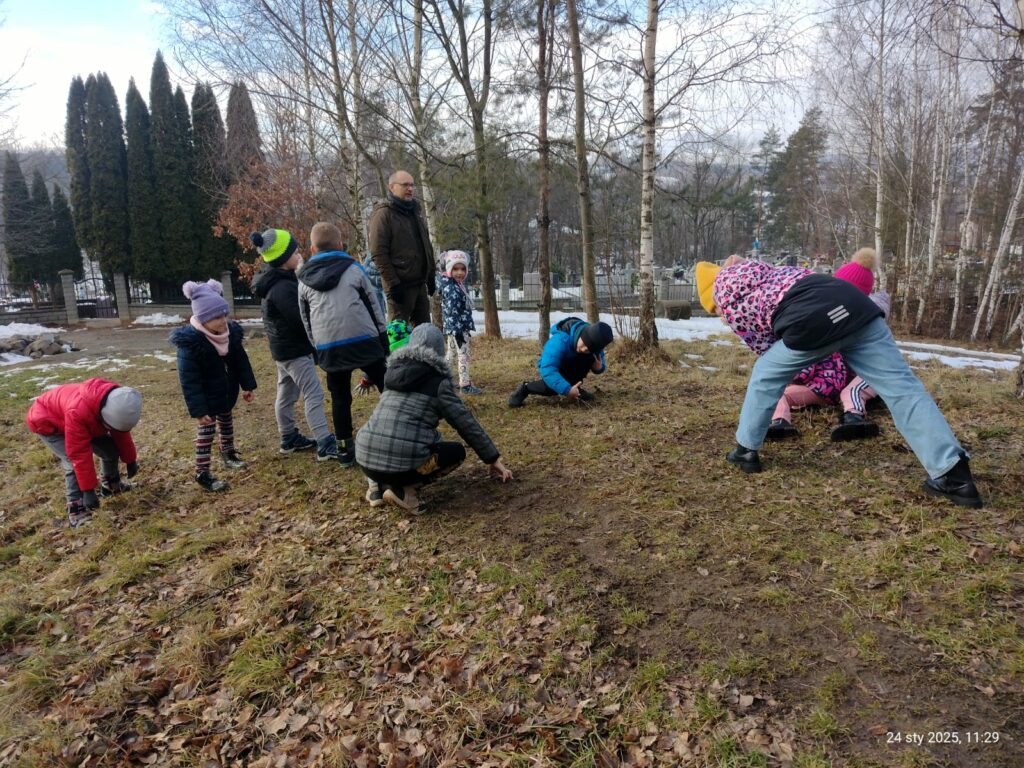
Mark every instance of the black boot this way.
pixel 517 398
pixel 781 429
pixel 111 486
pixel 853 426
pixel 957 485
pixel 347 453
pixel 744 458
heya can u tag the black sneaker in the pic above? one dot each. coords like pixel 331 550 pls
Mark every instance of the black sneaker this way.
pixel 586 396
pixel 327 450
pixel 405 498
pixel 853 426
pixel 517 398
pixel 744 458
pixel 347 454
pixel 232 460
pixel 957 485
pixel 111 486
pixel 374 494
pixel 78 514
pixel 781 429
pixel 211 483
pixel 296 441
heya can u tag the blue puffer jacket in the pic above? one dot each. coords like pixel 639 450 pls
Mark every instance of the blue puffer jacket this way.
pixel 560 356
pixel 209 382
pixel 456 308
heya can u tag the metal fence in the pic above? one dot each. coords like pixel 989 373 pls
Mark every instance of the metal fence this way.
pixel 94 298
pixel 21 297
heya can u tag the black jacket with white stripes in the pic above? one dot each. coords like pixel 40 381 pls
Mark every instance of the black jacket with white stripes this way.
pixel 820 309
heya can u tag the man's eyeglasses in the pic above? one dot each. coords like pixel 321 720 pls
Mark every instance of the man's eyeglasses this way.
pixel 406 184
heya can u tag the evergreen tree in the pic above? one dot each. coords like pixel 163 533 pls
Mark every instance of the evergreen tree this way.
pixel 41 234
pixel 17 223
pixel 106 156
pixel 172 176
pixel 78 165
pixel 143 209
pixel 219 252
pixel 66 252
pixel 795 181
pixel 243 139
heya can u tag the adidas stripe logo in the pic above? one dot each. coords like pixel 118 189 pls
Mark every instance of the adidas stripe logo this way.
pixel 838 314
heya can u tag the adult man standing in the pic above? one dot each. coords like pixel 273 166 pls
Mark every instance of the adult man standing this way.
pixel 402 251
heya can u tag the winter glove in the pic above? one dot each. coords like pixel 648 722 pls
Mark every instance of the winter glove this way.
pixel 133 469
pixel 89 500
pixel 460 339
pixel 363 387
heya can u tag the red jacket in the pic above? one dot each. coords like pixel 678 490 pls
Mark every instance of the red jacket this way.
pixel 73 410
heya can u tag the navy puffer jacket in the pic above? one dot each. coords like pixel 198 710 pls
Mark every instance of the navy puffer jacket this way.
pixel 209 382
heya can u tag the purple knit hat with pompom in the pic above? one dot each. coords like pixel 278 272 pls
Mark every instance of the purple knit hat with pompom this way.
pixel 207 299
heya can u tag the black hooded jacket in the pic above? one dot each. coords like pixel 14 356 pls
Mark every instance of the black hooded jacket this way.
pixel 278 290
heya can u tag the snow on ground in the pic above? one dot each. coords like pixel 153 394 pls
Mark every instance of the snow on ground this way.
pixel 163 357
pixel 965 361
pixel 104 364
pixel 159 318
pixel 10 358
pixel 957 350
pixel 25 329
pixel 524 325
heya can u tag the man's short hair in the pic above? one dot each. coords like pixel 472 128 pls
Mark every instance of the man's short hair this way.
pixel 393 178
pixel 326 237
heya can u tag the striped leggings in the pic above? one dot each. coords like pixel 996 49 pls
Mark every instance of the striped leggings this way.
pixel 204 439
pixel 856 395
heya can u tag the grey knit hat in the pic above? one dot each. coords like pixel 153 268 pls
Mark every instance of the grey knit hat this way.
pixel 122 409
pixel 275 245
pixel 427 335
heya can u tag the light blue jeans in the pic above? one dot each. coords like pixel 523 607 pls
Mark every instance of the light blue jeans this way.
pixel 873 354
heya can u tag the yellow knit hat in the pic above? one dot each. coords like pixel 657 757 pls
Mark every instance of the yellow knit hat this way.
pixel 706 272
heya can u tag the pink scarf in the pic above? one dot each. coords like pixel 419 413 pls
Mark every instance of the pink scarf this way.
pixel 219 340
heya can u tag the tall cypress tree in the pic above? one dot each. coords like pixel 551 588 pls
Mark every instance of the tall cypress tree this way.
pixel 171 172
pixel 78 165
pixel 18 212
pixel 219 252
pixel 243 139
pixel 66 252
pixel 42 234
pixel 105 151
pixel 143 209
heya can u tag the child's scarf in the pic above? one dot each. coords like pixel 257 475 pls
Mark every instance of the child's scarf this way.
pixel 219 340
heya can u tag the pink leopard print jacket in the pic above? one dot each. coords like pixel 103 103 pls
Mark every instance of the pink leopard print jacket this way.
pixel 747 294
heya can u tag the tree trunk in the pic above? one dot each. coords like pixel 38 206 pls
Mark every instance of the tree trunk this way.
pixel 988 299
pixel 648 332
pixel 940 174
pixel 582 167
pixel 492 325
pixel 545 22
pixel 968 229
pixel 419 123
pixel 880 152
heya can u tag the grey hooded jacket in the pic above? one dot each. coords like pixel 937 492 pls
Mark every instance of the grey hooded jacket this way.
pixel 342 318
pixel 418 393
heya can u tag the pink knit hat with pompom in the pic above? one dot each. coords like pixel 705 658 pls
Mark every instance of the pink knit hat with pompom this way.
pixel 859 270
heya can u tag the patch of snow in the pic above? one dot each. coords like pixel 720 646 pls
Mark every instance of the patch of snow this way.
pixel 10 358
pixel 707 368
pixel 163 357
pixel 525 325
pixel 957 350
pixel 963 362
pixel 250 321
pixel 25 329
pixel 693 356
pixel 104 364
pixel 722 343
pixel 159 318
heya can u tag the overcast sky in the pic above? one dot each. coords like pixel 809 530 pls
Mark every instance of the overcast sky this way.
pixel 47 42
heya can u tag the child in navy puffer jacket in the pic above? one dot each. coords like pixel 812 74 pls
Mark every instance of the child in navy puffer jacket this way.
pixel 212 368
pixel 457 317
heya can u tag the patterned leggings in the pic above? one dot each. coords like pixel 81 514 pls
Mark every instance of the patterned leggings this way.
pixel 204 439
pixel 459 355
